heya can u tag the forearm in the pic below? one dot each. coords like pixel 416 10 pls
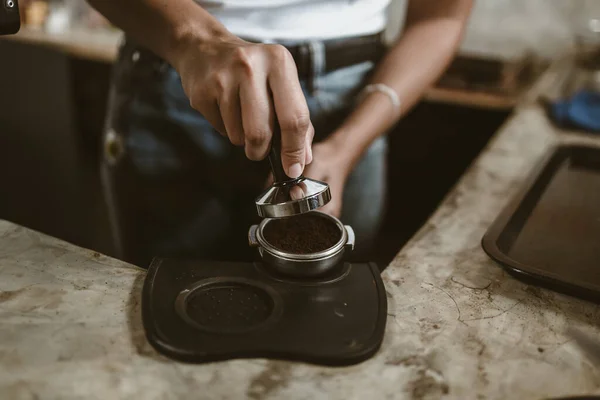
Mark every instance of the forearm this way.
pixel 162 26
pixel 414 63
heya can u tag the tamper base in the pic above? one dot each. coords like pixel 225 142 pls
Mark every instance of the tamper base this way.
pixel 292 198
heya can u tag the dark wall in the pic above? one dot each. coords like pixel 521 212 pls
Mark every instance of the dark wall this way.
pixel 430 149
pixel 48 182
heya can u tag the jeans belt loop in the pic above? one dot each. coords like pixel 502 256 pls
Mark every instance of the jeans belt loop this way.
pixel 317 64
pixel 303 61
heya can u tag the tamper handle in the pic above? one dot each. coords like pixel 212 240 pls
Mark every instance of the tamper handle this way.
pixel 279 174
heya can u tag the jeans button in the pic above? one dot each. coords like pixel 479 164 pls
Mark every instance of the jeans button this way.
pixel 113 147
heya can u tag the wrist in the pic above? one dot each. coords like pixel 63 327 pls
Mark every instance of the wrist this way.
pixel 348 146
pixel 342 149
pixel 197 34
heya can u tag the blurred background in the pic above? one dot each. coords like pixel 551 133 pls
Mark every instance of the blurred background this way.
pixel 54 80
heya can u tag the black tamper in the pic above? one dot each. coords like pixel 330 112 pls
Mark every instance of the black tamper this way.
pixel 289 196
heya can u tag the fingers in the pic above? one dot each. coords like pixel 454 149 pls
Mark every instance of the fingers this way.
pixel 332 208
pixel 257 117
pixel 243 89
pixel 210 110
pixel 231 114
pixel 292 111
pixel 309 139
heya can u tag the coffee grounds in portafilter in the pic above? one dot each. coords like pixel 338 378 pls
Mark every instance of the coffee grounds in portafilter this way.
pixel 302 234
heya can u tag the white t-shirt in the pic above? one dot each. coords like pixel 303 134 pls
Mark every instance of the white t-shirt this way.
pixel 269 20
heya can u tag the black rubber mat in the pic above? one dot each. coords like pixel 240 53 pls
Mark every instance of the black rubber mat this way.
pixel 209 311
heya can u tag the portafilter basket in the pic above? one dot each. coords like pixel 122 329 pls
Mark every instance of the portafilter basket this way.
pixel 304 264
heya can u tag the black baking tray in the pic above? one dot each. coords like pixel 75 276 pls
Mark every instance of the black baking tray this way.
pixel 549 235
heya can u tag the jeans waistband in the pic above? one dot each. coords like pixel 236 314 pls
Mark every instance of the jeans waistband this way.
pixel 313 58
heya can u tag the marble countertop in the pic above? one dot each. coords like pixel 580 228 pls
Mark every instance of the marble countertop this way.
pixel 458 327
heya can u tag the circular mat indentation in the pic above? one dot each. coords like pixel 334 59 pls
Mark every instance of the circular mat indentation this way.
pixel 223 306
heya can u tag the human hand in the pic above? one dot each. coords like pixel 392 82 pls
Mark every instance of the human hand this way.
pixel 330 165
pixel 242 88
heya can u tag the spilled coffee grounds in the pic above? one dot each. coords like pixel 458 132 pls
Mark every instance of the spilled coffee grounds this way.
pixel 302 234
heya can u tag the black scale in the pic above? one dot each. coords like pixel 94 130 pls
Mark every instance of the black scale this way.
pixel 207 311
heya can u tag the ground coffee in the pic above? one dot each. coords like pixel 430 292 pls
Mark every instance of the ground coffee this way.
pixel 302 234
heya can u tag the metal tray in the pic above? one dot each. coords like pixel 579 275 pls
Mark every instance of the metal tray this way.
pixel 550 234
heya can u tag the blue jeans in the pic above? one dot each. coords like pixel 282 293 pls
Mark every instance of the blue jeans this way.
pixel 176 188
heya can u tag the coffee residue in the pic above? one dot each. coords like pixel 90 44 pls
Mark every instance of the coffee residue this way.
pixel 302 234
